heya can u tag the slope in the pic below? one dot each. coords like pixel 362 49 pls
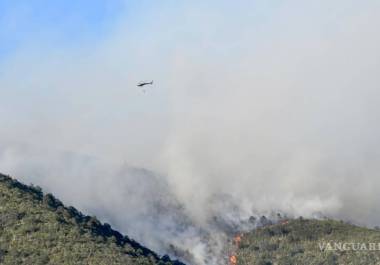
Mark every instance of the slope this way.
pixel 310 242
pixel 36 228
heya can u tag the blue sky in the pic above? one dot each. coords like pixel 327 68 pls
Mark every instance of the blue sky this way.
pixel 60 22
pixel 69 23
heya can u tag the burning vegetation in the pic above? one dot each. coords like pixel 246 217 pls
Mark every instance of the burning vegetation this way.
pixel 236 244
pixel 233 260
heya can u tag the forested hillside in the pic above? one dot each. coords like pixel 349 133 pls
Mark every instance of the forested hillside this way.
pixel 36 228
pixel 309 242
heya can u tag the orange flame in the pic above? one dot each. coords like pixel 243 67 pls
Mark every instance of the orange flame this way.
pixel 237 240
pixel 233 260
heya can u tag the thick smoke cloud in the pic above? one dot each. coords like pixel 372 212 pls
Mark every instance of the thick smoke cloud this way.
pixel 256 108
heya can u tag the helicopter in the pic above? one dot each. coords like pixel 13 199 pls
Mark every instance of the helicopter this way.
pixel 141 84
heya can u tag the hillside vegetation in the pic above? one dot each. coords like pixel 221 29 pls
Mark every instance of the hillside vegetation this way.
pixel 309 242
pixel 36 228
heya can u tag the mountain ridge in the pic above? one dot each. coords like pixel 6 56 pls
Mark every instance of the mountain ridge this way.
pixel 29 215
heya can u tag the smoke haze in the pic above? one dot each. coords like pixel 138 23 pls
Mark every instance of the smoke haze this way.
pixel 256 108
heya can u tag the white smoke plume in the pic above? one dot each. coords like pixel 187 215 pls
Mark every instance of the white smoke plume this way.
pixel 257 108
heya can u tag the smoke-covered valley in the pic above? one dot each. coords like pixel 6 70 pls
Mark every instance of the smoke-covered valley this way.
pixel 257 108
